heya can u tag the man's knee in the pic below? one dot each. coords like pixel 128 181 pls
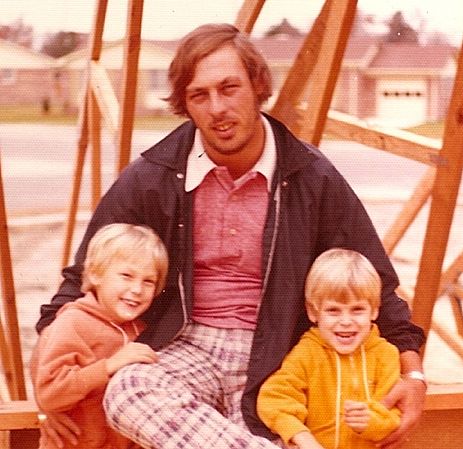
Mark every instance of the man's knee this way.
pixel 122 388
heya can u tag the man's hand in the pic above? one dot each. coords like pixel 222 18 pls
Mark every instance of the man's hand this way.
pixel 408 396
pixel 57 428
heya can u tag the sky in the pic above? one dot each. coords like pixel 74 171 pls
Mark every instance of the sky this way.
pixel 170 19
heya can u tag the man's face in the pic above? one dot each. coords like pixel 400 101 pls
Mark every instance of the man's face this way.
pixel 222 102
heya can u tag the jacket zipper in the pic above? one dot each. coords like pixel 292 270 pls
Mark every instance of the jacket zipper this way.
pixel 277 199
pixel 181 289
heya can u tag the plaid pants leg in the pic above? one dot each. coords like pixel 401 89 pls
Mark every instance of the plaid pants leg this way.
pixel 190 399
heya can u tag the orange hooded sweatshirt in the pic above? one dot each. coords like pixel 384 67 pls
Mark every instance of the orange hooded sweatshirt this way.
pixel 69 371
pixel 308 391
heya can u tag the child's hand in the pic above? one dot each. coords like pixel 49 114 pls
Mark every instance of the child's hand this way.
pixel 305 440
pixel 130 353
pixel 356 415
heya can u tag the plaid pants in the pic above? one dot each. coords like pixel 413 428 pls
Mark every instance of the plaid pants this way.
pixel 191 398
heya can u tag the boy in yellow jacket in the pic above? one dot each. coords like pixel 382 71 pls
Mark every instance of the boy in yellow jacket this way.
pixel 326 393
pixel 92 337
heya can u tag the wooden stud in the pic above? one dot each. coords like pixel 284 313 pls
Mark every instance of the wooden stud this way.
pixel 129 81
pixel 17 415
pixel 248 15
pixel 395 141
pixel 94 118
pixel 451 274
pixel 444 195
pixel 286 107
pixel 95 45
pixel 325 73
pixel 76 183
pixel 105 96
pixel 409 211
pixel 15 379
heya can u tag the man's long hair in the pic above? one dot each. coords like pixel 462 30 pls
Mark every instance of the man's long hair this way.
pixel 203 41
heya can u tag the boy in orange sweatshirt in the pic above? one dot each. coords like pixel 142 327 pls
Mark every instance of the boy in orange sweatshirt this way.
pixel 125 268
pixel 326 393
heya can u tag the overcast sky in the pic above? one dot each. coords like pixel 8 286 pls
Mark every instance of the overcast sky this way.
pixel 169 19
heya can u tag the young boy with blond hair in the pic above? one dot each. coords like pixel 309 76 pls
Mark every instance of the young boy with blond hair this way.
pixel 327 392
pixel 92 337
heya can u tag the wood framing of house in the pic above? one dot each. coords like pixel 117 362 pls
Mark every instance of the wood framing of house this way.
pixel 316 66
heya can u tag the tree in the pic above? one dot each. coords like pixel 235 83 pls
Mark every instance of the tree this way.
pixel 400 31
pixel 61 43
pixel 18 33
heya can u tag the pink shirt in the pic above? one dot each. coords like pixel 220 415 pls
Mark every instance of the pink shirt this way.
pixel 229 218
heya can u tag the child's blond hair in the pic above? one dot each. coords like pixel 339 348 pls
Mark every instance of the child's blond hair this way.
pixel 342 275
pixel 127 242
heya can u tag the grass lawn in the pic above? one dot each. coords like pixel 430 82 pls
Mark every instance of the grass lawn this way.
pixel 17 114
pixel 435 129
pixel 23 114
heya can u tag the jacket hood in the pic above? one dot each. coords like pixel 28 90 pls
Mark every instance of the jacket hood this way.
pixel 292 154
pixel 90 305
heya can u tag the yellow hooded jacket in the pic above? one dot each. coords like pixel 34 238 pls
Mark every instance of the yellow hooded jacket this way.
pixel 308 391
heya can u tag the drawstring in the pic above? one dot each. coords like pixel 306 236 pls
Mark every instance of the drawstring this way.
pixel 338 401
pixel 122 331
pixel 338 391
pixel 364 373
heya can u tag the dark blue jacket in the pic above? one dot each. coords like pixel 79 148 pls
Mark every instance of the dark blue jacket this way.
pixel 312 208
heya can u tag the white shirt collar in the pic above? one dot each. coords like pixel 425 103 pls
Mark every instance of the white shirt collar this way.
pixel 199 164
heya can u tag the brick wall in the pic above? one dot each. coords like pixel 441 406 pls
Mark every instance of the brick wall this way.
pixel 27 87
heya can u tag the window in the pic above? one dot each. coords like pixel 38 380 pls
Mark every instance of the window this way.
pixel 406 93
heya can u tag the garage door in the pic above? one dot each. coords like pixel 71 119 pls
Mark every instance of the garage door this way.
pixel 401 103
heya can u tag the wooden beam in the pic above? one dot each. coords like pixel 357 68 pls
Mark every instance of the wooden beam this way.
pixel 105 96
pixel 437 429
pixel 15 415
pixel 20 421
pixel 453 340
pixel 94 118
pixel 456 303
pixel 451 274
pixel 409 211
pixel 444 196
pixel 325 73
pixel 286 107
pixel 7 367
pixel 444 397
pixel 248 14
pixel 24 438
pixel 82 145
pixel 15 378
pixel 129 81
pixel 96 38
pixel 95 46
pixel 401 143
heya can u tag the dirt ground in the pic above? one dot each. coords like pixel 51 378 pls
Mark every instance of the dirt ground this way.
pixel 36 249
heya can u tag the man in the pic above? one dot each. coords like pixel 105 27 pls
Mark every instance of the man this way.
pixel 244 208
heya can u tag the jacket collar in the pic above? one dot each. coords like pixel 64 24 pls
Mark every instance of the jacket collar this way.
pixel 173 150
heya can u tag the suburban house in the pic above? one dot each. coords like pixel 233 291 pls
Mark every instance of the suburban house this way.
pixel 387 83
pixel 26 76
pixel 395 84
pixel 153 62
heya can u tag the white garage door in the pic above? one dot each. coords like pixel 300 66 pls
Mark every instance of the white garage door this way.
pixel 401 103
